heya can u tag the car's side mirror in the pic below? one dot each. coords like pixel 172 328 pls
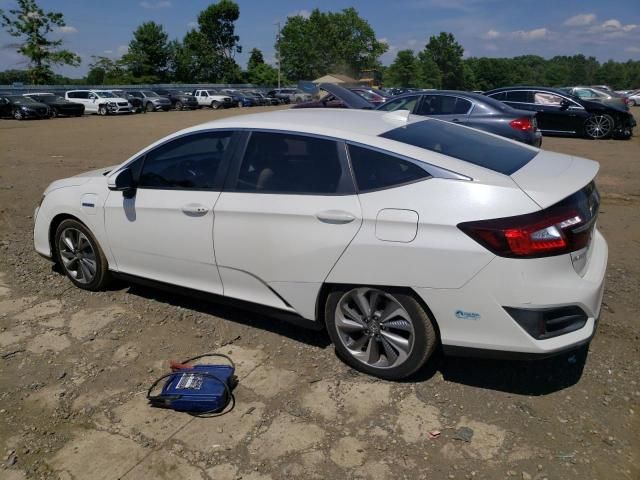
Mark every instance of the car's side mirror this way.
pixel 125 183
pixel 564 104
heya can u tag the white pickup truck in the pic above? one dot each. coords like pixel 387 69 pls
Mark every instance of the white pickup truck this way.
pixel 210 98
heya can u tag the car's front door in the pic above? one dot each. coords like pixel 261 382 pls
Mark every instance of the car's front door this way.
pixel 165 231
pixel 557 114
pixel 284 219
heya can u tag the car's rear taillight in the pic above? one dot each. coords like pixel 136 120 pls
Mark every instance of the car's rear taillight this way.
pixel 562 228
pixel 525 124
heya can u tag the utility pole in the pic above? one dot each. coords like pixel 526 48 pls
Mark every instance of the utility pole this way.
pixel 278 51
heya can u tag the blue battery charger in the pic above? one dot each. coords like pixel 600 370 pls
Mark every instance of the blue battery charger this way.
pixel 198 389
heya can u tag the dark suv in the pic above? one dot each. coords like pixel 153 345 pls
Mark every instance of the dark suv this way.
pixel 179 100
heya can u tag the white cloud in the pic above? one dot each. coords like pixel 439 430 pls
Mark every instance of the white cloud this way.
pixel 67 29
pixel 535 34
pixel 108 52
pixel 632 49
pixel 122 49
pixel 192 24
pixel 612 24
pixel 155 5
pixel 300 13
pixel 580 20
pixel 491 34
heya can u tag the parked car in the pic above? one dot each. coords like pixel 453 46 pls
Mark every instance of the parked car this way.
pixel 602 96
pixel 58 106
pixel 290 95
pixel 137 105
pixel 151 101
pixel 213 99
pixel 179 100
pixel 606 88
pixel 102 102
pixel 634 98
pixel 239 98
pixel 371 95
pixel 22 108
pixel 395 234
pixel 335 96
pixel 560 113
pixel 265 99
pixel 473 110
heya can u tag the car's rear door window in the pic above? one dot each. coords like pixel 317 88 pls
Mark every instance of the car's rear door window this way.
pixel 376 170
pixel 520 96
pixel 404 103
pixel 189 162
pixel 443 105
pixel 466 144
pixel 288 163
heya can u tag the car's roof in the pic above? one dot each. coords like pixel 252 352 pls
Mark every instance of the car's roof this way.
pixel 339 123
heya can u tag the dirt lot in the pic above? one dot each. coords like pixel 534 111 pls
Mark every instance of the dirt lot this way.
pixel 74 365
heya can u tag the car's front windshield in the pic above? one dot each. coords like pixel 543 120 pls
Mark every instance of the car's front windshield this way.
pixel 149 93
pixel 18 99
pixel 105 94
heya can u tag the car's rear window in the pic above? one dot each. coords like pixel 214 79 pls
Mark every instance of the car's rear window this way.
pixel 465 144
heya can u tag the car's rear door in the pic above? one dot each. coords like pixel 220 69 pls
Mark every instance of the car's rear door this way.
pixel 285 217
pixel 165 231
pixel 450 108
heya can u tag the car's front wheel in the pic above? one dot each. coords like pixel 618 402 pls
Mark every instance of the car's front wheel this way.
pixel 80 256
pixel 102 110
pixel 179 105
pixel 599 126
pixel 17 114
pixel 382 332
pixel 215 105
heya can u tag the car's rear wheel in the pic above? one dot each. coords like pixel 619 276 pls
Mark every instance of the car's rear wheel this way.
pixel 599 126
pixel 80 256
pixel 380 331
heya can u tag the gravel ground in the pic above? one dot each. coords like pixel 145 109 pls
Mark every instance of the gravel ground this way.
pixel 74 365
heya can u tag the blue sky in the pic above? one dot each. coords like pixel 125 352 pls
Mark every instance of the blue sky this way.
pixel 496 28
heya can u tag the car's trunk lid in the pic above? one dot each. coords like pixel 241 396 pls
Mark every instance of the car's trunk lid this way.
pixel 550 177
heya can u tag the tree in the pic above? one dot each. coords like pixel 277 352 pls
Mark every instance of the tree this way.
pixel 34 25
pixel 403 72
pixel 255 58
pixel 332 42
pixel 148 56
pixel 207 53
pixel 106 71
pixel 429 75
pixel 447 53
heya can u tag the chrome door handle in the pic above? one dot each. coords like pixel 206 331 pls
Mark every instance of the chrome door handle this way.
pixel 456 120
pixel 195 210
pixel 335 217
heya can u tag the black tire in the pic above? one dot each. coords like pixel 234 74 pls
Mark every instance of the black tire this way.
pixel 17 114
pixel 179 105
pixel 215 105
pixel 149 107
pixel 54 112
pixel 422 344
pixel 599 126
pixel 101 276
pixel 102 110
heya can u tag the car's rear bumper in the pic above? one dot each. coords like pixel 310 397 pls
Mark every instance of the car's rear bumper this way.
pixel 474 318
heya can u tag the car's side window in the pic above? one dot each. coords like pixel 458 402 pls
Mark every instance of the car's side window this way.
pixel 501 96
pixel 190 162
pixel 375 170
pixel 292 164
pixel 443 105
pixel 404 103
pixel 521 96
pixel 545 98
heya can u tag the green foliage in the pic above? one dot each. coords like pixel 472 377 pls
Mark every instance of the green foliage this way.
pixel 403 71
pixel 148 56
pixel 429 75
pixel 106 71
pixel 14 76
pixel 255 58
pixel 206 54
pixel 447 53
pixel 331 42
pixel 33 25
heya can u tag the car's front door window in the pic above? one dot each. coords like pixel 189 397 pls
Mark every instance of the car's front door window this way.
pixel 191 162
pixel 404 103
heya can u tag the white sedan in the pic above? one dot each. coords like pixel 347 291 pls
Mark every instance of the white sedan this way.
pixel 397 233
